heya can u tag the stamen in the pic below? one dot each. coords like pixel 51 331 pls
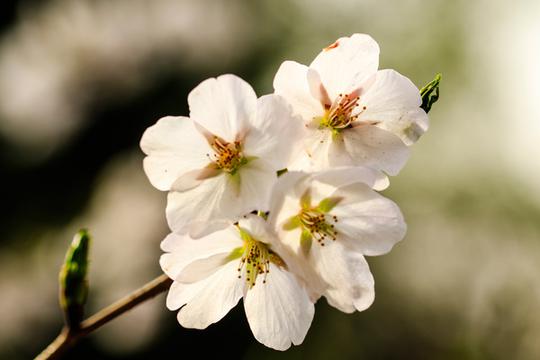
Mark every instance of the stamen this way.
pixel 315 221
pixel 227 156
pixel 255 259
pixel 339 115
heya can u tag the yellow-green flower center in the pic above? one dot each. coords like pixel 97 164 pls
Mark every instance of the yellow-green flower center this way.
pixel 315 222
pixel 255 258
pixel 227 156
pixel 339 115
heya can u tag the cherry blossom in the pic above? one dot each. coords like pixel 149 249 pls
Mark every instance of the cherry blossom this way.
pixel 353 113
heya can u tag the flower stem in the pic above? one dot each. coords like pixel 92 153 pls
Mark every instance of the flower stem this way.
pixel 69 336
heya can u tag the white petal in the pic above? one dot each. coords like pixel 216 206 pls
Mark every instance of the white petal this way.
pixel 342 176
pixel 369 222
pixel 174 147
pixel 182 250
pixel 223 105
pixel 202 268
pixel 279 311
pixel 285 198
pixel 370 146
pixel 199 210
pixel 350 285
pixel 256 181
pixel 317 147
pixel 275 134
pixel 345 65
pixel 213 299
pixel 257 227
pixel 313 155
pixel 291 82
pixel 179 294
pixel 394 102
pixel 300 162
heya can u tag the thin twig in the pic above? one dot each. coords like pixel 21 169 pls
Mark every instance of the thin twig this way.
pixel 68 337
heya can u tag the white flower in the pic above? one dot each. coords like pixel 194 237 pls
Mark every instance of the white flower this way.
pixel 353 114
pixel 220 163
pixel 212 273
pixel 328 221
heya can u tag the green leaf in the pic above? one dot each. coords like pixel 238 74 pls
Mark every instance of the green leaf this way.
pixel 328 204
pixel 430 93
pixel 73 279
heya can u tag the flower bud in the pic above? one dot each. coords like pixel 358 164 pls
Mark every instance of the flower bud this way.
pixel 430 93
pixel 73 279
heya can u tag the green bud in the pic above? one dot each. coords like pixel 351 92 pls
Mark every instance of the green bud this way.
pixel 430 93
pixel 73 279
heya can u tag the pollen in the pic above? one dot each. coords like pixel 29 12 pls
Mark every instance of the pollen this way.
pixel 227 156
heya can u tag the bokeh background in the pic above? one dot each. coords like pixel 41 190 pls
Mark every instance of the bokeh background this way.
pixel 81 80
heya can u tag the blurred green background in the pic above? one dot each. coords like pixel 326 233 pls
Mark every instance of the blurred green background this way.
pixel 81 80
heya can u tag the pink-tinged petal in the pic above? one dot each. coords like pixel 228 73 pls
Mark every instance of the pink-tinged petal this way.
pixel 206 208
pixel 350 285
pixel 174 147
pixel 370 146
pixel 317 89
pixel 291 82
pixel 213 298
pixel 368 222
pixel 393 102
pixel 274 134
pixel 194 178
pixel 279 312
pixel 183 250
pixel 347 63
pixel 223 106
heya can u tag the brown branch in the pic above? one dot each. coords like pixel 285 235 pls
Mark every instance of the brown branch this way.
pixel 68 337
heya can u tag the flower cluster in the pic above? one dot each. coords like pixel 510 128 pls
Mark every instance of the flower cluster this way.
pixel 334 129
